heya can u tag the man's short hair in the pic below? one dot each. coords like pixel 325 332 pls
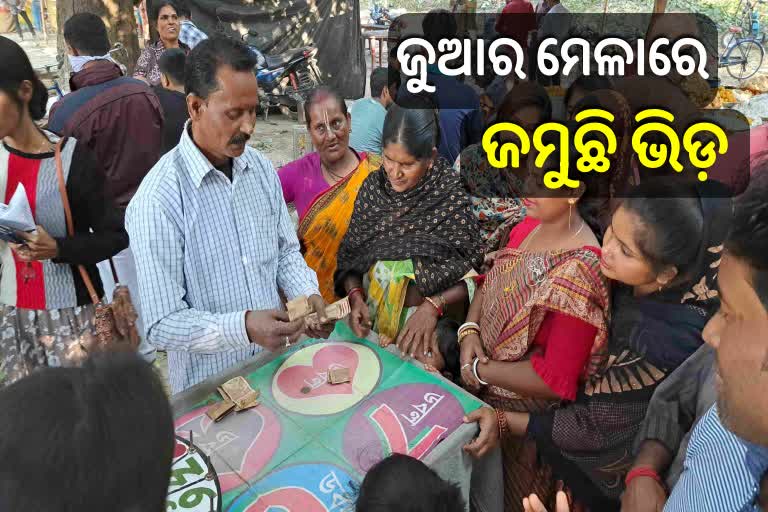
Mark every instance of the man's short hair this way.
pixel 182 9
pixel 86 33
pixel 171 63
pixel 748 240
pixel 439 24
pixel 96 437
pixel 379 81
pixel 205 60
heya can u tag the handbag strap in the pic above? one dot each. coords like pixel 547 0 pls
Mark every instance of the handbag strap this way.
pixel 68 217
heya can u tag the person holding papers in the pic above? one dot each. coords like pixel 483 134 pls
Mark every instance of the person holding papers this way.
pixel 46 312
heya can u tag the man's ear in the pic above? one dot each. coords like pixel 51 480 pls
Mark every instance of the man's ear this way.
pixel 195 106
pixel 72 51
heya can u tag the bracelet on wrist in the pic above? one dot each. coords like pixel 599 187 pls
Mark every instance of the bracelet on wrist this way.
pixel 468 325
pixel 501 419
pixel 646 472
pixel 474 372
pixel 435 305
pixel 466 333
pixel 356 290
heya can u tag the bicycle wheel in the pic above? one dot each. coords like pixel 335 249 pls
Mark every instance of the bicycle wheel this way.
pixel 744 59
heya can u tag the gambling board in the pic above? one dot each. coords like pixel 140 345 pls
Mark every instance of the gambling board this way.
pixel 308 445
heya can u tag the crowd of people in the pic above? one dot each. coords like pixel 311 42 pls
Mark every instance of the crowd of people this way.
pixel 618 331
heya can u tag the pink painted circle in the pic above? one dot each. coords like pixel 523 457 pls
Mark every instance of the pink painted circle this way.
pixel 410 419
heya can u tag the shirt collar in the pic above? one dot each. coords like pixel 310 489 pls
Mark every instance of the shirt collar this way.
pixel 197 164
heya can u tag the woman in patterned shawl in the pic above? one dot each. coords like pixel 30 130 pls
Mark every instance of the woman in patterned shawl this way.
pixel 663 248
pixel 495 193
pixel 538 326
pixel 412 239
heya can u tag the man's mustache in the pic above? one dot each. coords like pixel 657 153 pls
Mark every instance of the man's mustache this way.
pixel 239 139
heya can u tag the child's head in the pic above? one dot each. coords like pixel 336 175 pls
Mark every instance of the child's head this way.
pixel 403 484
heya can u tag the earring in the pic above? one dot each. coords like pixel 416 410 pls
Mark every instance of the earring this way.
pixel 570 210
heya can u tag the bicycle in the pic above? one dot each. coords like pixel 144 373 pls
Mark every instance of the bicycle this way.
pixel 743 56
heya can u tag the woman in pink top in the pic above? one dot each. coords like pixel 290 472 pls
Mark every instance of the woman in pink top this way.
pixel 323 185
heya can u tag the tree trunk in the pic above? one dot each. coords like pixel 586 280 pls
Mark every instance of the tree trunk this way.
pixel 121 27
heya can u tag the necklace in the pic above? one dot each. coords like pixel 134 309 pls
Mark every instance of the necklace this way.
pixel 536 230
pixel 338 178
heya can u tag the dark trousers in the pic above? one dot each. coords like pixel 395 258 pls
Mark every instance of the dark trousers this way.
pixel 16 22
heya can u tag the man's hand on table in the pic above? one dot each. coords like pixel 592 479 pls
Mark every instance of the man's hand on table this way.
pixel 271 329
pixel 325 327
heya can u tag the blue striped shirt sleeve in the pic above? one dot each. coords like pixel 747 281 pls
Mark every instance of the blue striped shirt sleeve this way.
pixel 170 323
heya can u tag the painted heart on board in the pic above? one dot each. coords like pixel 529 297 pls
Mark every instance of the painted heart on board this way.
pixel 239 447
pixel 304 381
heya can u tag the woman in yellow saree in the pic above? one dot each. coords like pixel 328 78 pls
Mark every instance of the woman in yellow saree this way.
pixel 323 185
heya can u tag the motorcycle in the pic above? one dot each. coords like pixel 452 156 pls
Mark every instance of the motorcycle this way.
pixel 380 15
pixel 285 79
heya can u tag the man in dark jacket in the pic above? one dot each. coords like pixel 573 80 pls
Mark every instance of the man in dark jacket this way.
pixel 170 92
pixel 118 118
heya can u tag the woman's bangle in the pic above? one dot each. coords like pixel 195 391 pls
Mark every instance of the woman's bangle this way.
pixel 474 372
pixel 468 332
pixel 435 305
pixel 501 419
pixel 353 291
pixel 644 471
pixel 468 325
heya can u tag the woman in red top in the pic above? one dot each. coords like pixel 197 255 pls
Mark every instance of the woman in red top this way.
pixel 538 325
pixel 46 313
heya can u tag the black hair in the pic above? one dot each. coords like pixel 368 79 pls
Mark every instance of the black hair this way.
pixel 413 122
pixel 159 6
pixel 401 483
pixel 526 94
pixel 86 33
pixel 587 83
pixel 673 224
pixel 379 81
pixel 204 61
pixel 322 94
pixel 172 63
pixel 98 437
pixel 439 24
pixel 748 239
pixel 16 68
pixel 182 9
pixel 593 201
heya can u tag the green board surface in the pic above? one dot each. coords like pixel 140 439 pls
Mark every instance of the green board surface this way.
pixel 309 443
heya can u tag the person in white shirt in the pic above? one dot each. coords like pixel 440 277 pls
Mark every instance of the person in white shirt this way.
pixel 212 237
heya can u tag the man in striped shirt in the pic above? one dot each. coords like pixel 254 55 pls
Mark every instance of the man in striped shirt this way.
pixel 213 241
pixel 728 453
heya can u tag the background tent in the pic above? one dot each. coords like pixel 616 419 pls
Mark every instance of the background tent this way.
pixel 333 26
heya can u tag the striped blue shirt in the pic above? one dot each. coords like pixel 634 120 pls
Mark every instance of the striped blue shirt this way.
pixel 190 35
pixel 721 472
pixel 208 250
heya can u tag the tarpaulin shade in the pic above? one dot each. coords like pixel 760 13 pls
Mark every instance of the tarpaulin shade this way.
pixel 330 25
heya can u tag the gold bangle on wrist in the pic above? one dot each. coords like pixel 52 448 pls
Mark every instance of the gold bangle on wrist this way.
pixel 467 332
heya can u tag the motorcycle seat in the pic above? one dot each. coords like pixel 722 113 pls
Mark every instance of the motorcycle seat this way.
pixel 283 59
